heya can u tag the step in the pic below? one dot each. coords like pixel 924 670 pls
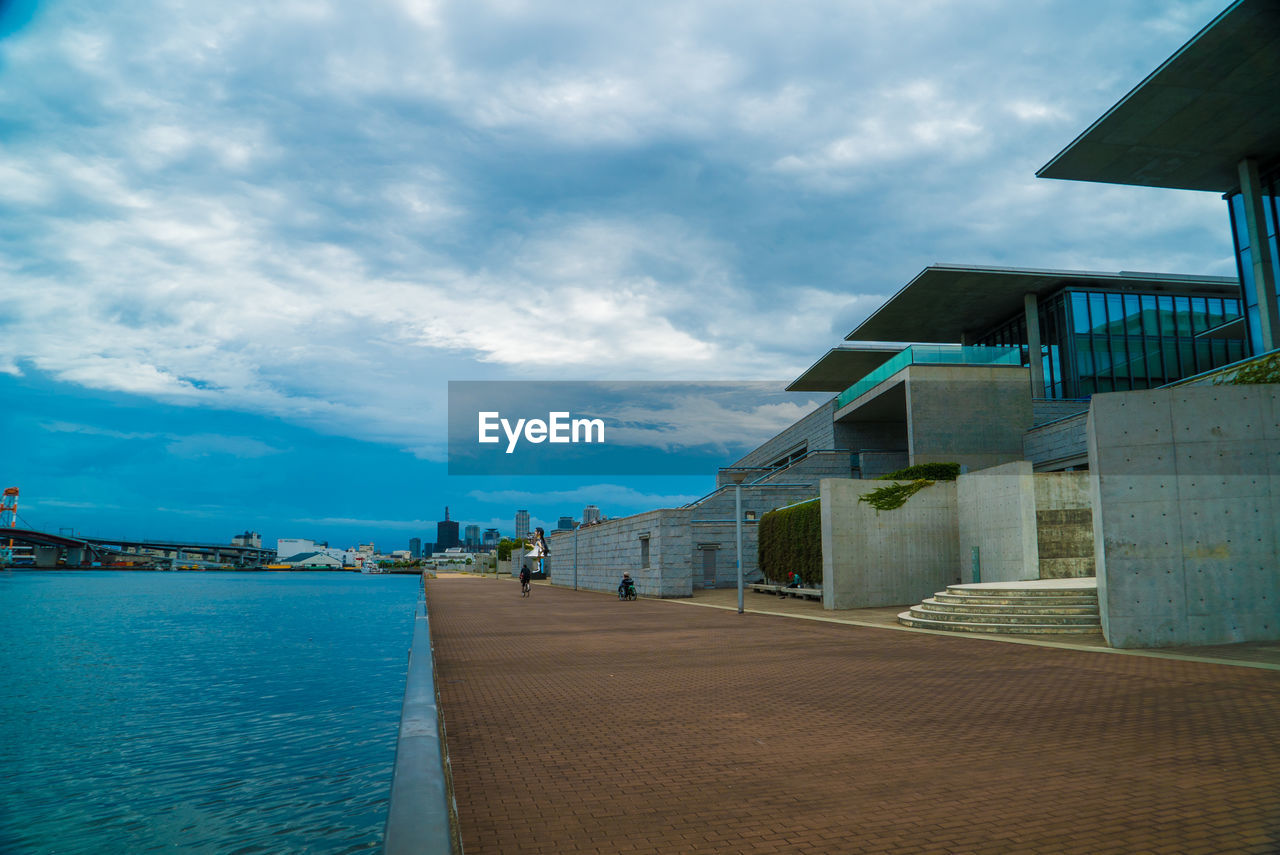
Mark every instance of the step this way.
pixel 1030 602
pixel 1012 589
pixel 1012 608
pixel 907 619
pixel 925 613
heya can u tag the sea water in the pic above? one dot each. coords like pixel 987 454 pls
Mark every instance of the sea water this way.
pixel 199 712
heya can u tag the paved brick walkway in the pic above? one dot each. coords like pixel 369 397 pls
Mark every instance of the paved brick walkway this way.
pixel 578 723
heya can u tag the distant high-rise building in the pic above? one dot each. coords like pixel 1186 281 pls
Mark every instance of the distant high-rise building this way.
pixel 565 524
pixel 491 538
pixel 590 515
pixel 472 537
pixel 446 533
pixel 522 524
pixel 415 547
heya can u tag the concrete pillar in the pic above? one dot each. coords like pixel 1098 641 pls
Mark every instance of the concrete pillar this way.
pixel 75 556
pixel 1031 308
pixel 46 556
pixel 1264 279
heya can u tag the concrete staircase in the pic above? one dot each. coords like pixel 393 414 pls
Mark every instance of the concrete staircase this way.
pixel 1057 606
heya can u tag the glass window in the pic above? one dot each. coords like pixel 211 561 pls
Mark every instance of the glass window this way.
pixel 1098 313
pixel 1115 314
pixel 1238 222
pixel 1167 327
pixel 1079 312
pixel 1199 314
pixel 1132 315
pixel 1150 315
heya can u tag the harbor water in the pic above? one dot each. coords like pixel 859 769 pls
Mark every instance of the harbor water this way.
pixel 199 712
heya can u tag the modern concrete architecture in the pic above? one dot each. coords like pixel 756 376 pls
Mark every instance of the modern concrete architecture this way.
pixel 1207 119
pixel 522 524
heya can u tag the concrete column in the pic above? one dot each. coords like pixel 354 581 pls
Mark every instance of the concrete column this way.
pixel 1264 279
pixel 46 556
pixel 1031 309
pixel 75 556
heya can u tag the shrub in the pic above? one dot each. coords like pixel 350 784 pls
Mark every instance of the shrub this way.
pixel 917 477
pixel 925 471
pixel 506 545
pixel 790 541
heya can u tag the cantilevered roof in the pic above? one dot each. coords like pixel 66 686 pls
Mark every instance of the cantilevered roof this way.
pixel 843 366
pixel 944 302
pixel 1190 123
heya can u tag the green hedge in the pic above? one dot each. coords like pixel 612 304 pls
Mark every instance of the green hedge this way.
pixel 790 540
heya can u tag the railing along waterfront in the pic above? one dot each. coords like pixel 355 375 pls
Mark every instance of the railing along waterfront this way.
pixel 930 354
pixel 421 813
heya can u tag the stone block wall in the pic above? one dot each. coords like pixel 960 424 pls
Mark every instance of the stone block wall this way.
pixel 1186 514
pixel 889 558
pixel 1064 525
pixel 1057 444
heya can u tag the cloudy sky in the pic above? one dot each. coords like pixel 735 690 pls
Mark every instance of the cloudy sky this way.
pixel 245 246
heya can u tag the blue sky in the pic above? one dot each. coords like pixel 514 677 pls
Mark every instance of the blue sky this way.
pixel 244 247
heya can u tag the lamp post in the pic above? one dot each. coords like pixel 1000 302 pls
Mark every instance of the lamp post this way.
pixel 737 476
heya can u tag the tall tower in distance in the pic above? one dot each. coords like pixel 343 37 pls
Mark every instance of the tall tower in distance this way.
pixel 590 515
pixel 446 532
pixel 522 524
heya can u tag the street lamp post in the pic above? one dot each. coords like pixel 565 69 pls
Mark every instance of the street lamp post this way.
pixel 737 477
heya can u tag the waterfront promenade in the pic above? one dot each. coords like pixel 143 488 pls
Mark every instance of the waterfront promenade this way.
pixel 578 723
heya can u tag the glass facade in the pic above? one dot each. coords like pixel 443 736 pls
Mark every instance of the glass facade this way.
pixel 1244 255
pixel 1109 341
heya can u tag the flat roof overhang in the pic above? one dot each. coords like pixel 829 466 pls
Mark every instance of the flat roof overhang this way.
pixel 943 303
pixel 843 366
pixel 1212 104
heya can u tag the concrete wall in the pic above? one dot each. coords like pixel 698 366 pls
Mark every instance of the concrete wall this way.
pixel 996 511
pixel 888 558
pixel 1057 444
pixel 1186 514
pixel 1064 525
pixel 974 415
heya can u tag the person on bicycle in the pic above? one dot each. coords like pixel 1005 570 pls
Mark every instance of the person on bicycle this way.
pixel 626 583
pixel 525 575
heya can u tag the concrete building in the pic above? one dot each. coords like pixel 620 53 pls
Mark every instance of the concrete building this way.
pixel 566 524
pixel 590 515
pixel 471 538
pixel 490 539
pixel 522 524
pixel 249 538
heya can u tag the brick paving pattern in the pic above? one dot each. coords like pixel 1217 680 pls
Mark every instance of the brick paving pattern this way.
pixel 581 724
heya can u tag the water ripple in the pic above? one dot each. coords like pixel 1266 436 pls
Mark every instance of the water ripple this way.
pixel 204 712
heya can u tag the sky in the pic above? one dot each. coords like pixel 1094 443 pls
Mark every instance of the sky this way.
pixel 245 247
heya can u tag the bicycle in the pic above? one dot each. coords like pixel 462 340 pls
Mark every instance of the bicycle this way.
pixel 525 588
pixel 627 593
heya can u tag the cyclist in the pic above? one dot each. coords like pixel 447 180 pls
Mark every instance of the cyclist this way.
pixel 524 580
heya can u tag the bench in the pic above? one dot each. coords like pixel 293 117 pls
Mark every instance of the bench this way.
pixel 783 590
